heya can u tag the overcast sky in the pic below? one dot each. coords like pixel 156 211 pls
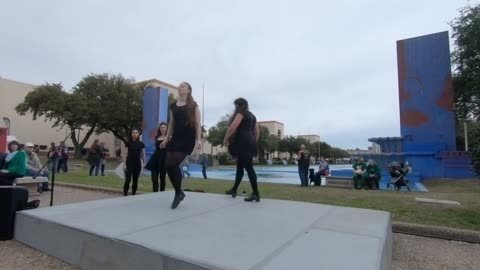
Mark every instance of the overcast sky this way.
pixel 320 67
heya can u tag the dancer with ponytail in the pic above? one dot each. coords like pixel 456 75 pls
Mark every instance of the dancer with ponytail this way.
pixel 183 136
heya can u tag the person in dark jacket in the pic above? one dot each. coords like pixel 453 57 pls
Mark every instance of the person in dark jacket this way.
pixel 303 159
pixel 94 157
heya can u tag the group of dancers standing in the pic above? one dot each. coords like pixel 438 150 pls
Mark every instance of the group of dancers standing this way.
pixel 176 140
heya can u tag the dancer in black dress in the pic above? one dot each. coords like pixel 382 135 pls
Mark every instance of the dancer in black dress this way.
pixel 183 136
pixel 241 140
pixel 156 164
pixel 132 165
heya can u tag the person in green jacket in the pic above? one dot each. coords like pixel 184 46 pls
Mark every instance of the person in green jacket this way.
pixel 373 175
pixel 359 169
pixel 15 164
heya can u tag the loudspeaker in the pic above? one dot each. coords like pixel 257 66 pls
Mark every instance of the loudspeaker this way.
pixel 11 199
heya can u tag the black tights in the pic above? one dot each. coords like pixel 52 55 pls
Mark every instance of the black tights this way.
pixel 133 170
pixel 172 164
pixel 162 173
pixel 246 162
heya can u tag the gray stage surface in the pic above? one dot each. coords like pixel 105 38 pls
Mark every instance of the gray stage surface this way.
pixel 208 232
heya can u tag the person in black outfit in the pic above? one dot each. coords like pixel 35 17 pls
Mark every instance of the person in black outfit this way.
pixel 156 164
pixel 132 165
pixel 183 135
pixel 303 159
pixel 241 140
pixel 94 157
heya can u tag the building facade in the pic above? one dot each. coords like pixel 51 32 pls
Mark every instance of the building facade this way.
pixel 40 131
pixel 310 138
pixel 274 127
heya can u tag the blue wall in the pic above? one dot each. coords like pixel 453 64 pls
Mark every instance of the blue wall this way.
pixel 426 94
pixel 155 111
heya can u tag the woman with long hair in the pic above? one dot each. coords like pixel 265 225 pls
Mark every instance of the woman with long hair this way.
pixel 183 136
pixel 94 157
pixel 241 139
pixel 132 163
pixel 156 164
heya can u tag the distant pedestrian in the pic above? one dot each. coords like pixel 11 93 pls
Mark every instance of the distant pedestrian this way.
pixel 63 158
pixel 204 164
pixel 303 159
pixel 103 158
pixel 94 157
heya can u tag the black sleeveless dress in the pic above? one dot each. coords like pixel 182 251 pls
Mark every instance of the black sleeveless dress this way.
pixel 183 137
pixel 243 142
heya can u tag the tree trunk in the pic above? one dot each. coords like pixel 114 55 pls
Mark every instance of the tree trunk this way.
pixel 80 145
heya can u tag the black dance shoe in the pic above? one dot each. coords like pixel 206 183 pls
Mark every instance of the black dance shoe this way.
pixel 253 197
pixel 231 192
pixel 177 200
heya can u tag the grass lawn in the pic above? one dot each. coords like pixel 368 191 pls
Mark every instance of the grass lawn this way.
pixel 402 205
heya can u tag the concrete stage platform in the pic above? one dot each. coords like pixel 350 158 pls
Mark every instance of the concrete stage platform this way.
pixel 208 232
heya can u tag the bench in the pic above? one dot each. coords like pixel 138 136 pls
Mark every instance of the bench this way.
pixel 340 182
pixel 30 184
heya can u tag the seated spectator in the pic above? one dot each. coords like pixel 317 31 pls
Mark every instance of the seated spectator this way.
pixel 15 164
pixel 373 175
pixel 34 167
pixel 359 169
pixel 324 169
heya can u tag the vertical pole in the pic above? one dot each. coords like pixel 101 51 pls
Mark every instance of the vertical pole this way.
pixel 465 129
pixel 203 112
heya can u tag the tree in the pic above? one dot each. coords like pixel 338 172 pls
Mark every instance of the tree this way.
pixel 116 103
pixel 267 143
pixel 216 134
pixel 63 109
pixel 466 60
pixel 292 144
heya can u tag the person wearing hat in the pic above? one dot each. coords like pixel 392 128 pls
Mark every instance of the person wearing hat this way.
pixel 34 166
pixel 15 164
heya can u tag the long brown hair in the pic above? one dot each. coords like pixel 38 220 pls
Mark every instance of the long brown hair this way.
pixel 191 108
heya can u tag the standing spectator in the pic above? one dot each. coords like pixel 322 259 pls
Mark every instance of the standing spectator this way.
pixel 132 164
pixel 53 157
pixel 184 167
pixel 118 153
pixel 94 157
pixel 34 165
pixel 63 158
pixel 359 169
pixel 373 175
pixel 103 159
pixel 303 159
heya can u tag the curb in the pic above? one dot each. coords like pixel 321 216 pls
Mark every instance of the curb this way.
pixel 444 233
pixel 93 188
